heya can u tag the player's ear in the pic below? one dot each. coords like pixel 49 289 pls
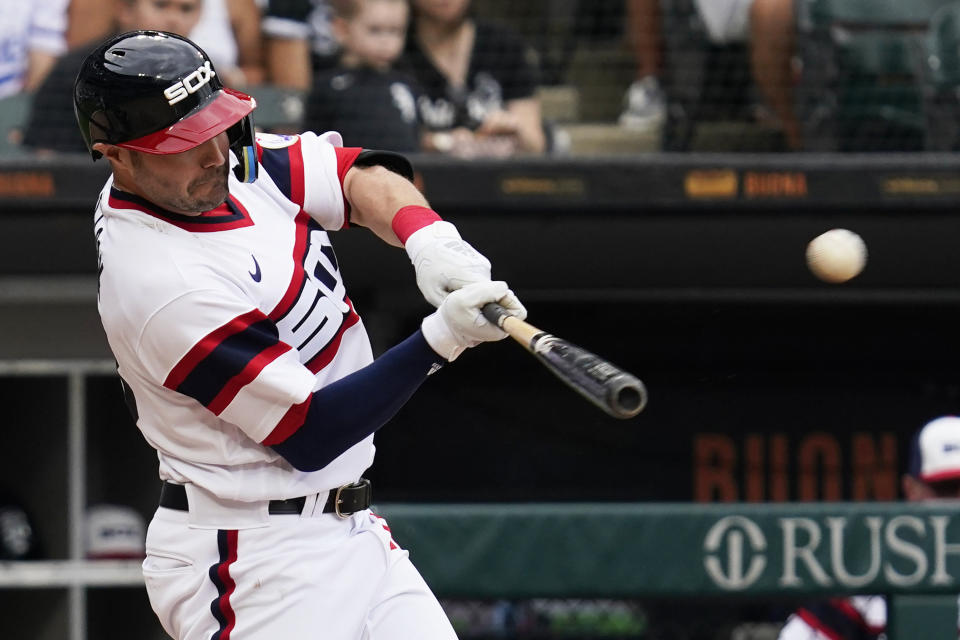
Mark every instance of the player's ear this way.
pixel 119 157
pixel 108 151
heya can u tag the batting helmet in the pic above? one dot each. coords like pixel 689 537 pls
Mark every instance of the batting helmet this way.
pixel 158 92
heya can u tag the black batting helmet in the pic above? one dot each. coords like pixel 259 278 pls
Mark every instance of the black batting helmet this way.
pixel 158 92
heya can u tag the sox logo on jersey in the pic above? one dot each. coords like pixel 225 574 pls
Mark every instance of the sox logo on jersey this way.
pixel 321 307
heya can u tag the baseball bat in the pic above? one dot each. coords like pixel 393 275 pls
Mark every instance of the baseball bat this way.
pixel 617 392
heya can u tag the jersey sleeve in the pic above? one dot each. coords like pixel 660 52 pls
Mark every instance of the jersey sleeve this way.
pixel 309 171
pixel 227 356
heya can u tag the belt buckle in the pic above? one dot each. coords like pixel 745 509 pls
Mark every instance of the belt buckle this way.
pixel 337 501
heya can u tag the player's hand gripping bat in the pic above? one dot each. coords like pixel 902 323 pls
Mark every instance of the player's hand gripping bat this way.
pixel 615 391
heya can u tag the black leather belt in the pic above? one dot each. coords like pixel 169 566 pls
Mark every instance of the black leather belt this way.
pixel 342 501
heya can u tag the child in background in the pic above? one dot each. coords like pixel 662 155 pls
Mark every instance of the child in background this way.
pixel 363 98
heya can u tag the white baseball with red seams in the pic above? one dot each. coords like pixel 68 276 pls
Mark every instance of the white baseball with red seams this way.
pixel 836 255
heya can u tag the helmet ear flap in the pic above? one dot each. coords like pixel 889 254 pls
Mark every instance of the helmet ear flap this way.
pixel 242 146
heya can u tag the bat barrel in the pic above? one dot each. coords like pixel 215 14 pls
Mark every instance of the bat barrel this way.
pixel 626 396
pixel 618 393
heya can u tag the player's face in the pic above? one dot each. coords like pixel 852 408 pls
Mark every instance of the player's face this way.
pixel 176 16
pixel 448 11
pixel 188 183
pixel 375 36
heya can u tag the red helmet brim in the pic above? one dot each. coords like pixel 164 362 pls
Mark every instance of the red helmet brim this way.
pixel 218 115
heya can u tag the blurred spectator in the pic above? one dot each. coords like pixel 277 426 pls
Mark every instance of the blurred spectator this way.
pixel 51 125
pixel 933 474
pixel 32 36
pixel 229 32
pixel 479 81
pixel 298 41
pixel 363 98
pixel 765 29
pixel 89 20
pixel 772 37
pixel 769 28
pixel 646 106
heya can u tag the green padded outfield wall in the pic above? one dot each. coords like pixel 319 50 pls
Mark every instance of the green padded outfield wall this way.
pixel 634 550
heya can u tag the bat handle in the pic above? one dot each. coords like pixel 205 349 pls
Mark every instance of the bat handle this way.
pixel 524 333
pixel 495 313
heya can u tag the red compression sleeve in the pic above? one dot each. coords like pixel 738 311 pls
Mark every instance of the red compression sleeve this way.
pixel 411 218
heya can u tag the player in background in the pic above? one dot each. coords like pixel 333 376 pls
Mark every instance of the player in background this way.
pixel 933 474
pixel 243 358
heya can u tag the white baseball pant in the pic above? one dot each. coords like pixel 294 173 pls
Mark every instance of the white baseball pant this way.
pixel 297 577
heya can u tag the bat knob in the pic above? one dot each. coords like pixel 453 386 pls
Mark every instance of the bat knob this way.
pixel 494 313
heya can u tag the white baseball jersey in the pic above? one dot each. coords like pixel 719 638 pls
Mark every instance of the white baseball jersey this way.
pixel 38 25
pixel 223 324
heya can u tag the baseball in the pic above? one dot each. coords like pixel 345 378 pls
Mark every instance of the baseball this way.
pixel 836 255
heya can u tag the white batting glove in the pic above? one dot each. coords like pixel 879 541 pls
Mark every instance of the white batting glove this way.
pixel 444 261
pixel 459 323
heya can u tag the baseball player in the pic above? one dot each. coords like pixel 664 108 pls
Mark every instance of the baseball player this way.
pixel 244 360
pixel 933 473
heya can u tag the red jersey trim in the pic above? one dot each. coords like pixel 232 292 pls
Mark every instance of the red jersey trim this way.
pixel 296 172
pixel 250 372
pixel 290 423
pixel 326 355
pixel 229 215
pixel 346 156
pixel 299 274
pixel 206 345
